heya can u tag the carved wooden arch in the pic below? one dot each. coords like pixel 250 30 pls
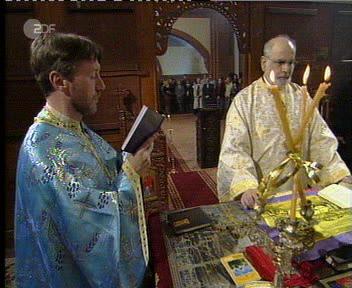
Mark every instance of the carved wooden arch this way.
pixel 195 44
pixel 166 14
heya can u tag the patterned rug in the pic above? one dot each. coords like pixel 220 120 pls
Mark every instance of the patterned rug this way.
pixel 9 272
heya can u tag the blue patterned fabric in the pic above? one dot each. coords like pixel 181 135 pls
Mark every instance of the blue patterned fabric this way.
pixel 76 217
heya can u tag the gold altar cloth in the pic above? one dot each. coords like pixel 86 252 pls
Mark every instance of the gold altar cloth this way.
pixel 331 220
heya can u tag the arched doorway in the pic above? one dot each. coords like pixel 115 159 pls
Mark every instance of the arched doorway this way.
pixel 166 18
pixel 166 14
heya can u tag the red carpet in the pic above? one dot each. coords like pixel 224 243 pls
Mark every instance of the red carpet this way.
pixel 158 253
pixel 191 189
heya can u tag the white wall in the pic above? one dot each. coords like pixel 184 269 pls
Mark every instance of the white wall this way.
pixel 198 28
pixel 236 55
pixel 179 60
pixel 182 60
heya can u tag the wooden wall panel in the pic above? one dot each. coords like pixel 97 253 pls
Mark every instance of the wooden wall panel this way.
pixel 23 101
pixel 342 35
pixel 309 24
pixel 341 99
pixel 111 102
pixel 147 54
pixel 256 40
pixel 17 44
pixel 303 23
pixel 115 30
pixel 223 42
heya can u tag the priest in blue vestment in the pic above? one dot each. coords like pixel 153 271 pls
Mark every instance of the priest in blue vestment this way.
pixel 79 212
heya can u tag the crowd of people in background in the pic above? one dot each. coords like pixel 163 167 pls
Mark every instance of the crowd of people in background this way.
pixel 189 95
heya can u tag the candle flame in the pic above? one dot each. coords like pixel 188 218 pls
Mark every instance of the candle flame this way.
pixel 327 73
pixel 272 76
pixel 306 75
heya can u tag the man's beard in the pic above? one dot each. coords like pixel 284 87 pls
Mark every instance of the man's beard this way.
pixel 282 81
pixel 85 109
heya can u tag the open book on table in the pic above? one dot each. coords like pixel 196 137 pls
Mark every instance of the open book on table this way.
pixel 337 194
pixel 146 124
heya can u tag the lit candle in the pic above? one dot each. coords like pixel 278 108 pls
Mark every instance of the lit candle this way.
pixel 305 91
pixel 316 100
pixel 300 134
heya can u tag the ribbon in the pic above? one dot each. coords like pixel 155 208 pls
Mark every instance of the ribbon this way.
pixel 269 183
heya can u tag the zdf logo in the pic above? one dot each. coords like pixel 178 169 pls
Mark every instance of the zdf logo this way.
pixel 32 28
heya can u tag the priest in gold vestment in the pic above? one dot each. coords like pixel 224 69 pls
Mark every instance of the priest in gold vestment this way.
pixel 254 142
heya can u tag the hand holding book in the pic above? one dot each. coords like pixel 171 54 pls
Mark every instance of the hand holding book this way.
pixel 141 161
pixel 147 123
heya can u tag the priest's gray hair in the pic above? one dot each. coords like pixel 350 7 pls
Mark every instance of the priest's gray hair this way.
pixel 268 46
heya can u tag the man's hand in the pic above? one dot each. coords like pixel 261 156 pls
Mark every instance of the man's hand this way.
pixel 249 198
pixel 141 161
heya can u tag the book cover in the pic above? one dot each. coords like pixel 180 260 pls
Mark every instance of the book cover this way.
pixel 340 258
pixel 240 269
pixel 343 280
pixel 337 194
pixel 258 284
pixel 146 124
pixel 187 220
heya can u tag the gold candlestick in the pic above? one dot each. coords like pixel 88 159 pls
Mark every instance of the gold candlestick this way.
pixel 274 89
pixel 294 200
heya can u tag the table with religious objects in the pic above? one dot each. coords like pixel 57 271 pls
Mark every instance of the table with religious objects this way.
pixel 286 238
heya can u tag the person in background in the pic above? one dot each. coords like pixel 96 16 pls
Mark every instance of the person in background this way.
pixel 235 87
pixel 180 94
pixel 188 100
pixel 167 93
pixel 228 91
pixel 220 93
pixel 208 94
pixel 79 219
pixel 197 95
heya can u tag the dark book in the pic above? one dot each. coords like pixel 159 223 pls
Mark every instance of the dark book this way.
pixel 187 220
pixel 341 258
pixel 146 124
